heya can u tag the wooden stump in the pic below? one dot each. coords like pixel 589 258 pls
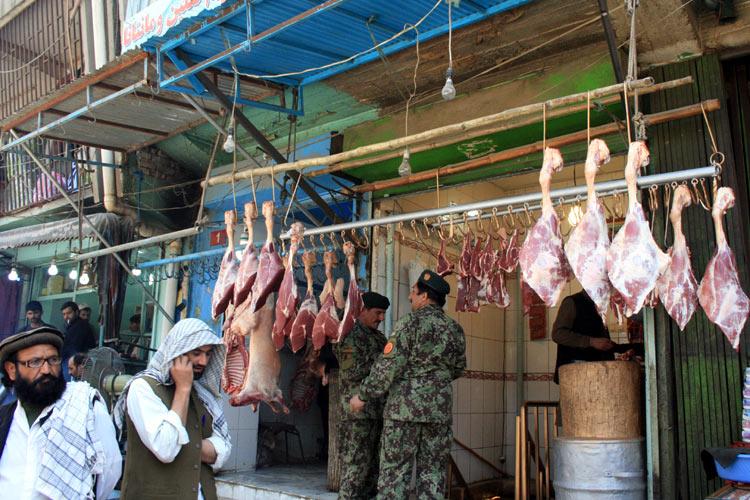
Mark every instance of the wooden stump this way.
pixel 601 400
pixel 334 417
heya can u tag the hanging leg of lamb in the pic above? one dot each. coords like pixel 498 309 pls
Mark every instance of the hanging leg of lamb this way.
pixel 587 247
pixel 634 261
pixel 302 327
pixel 326 324
pixel 354 303
pixel 677 288
pixel 465 300
pixel 224 287
pixel 720 293
pixel 249 264
pixel 542 257
pixel 444 266
pixel 270 267
pixel 262 378
pixel 286 302
pixel 487 270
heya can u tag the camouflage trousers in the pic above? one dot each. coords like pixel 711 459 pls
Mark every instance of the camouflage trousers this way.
pixel 359 442
pixel 403 444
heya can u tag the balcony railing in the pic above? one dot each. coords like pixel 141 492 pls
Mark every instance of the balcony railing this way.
pixel 23 185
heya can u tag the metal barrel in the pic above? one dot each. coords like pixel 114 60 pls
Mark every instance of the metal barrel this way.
pixel 586 469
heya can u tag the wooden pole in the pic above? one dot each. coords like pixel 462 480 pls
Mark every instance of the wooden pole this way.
pixel 453 129
pixel 346 165
pixel 555 142
pixel 334 425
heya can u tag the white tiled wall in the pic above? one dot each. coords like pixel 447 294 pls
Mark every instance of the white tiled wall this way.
pixel 484 411
pixel 243 429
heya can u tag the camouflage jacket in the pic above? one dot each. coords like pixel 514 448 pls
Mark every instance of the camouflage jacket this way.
pixel 356 354
pixel 426 352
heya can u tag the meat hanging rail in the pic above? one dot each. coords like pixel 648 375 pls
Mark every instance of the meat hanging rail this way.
pixel 518 200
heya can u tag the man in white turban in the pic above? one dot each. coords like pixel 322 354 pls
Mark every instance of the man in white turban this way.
pixel 176 432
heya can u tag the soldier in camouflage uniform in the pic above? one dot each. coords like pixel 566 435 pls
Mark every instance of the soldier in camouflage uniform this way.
pixel 420 360
pixel 359 433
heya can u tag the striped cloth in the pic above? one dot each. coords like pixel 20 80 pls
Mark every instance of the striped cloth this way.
pixel 72 453
pixel 185 336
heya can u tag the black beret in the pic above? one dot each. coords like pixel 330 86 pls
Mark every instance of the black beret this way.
pixel 29 338
pixel 434 281
pixel 34 305
pixel 372 299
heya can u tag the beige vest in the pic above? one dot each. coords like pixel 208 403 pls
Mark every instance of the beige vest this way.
pixel 147 478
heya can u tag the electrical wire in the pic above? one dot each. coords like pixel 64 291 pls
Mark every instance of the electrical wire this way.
pixel 32 61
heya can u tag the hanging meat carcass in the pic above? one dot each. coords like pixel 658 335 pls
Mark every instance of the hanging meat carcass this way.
pixel 304 387
pixel 235 361
pixel 326 324
pixel 286 301
pixel 302 327
pixel 249 263
pixel 444 266
pixel 354 303
pixel 264 365
pixel 270 267
pixel 587 246
pixel 486 263
pixel 466 301
pixel 542 257
pixel 634 261
pixel 224 287
pixel 677 288
pixel 506 260
pixel 720 293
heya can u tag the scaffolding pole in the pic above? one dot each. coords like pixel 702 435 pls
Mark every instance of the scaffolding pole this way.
pixel 515 201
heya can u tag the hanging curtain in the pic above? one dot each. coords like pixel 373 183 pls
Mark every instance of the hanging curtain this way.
pixel 10 297
pixel 112 278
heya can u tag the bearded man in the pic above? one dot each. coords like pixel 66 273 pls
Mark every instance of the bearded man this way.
pixel 57 440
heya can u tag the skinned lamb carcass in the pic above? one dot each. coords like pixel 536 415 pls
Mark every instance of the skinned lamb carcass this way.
pixel 264 365
pixel 287 298
pixel 249 263
pixel 634 261
pixel 720 292
pixel 466 301
pixel 270 267
pixel 677 287
pixel 326 324
pixel 224 287
pixel 354 303
pixel 486 268
pixel 302 327
pixel 235 360
pixel 542 257
pixel 506 260
pixel 586 249
pixel 304 387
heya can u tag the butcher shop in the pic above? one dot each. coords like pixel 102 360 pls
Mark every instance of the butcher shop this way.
pixel 444 243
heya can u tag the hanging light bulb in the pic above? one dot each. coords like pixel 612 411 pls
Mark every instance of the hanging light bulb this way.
pixel 575 215
pixel 229 142
pixel 151 279
pixel 405 168
pixel 73 274
pixel 13 274
pixel 449 91
pixel 84 279
pixel 136 271
pixel 52 269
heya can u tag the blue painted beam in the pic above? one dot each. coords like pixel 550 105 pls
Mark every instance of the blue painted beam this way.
pixel 204 27
pixel 423 37
pixel 182 66
pixel 240 100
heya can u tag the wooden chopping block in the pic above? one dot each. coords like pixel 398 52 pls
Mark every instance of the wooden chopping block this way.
pixel 602 400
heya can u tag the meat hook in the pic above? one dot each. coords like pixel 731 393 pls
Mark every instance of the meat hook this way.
pixel 509 216
pixel 366 237
pixel 701 197
pixel 531 221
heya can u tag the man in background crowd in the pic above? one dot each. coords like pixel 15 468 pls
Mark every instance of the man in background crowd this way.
pixel 33 316
pixel 75 366
pixel 79 337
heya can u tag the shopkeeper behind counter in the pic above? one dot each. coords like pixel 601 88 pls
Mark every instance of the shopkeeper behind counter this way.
pixel 581 335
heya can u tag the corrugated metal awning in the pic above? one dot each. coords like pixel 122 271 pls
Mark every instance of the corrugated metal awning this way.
pixel 118 108
pixel 50 232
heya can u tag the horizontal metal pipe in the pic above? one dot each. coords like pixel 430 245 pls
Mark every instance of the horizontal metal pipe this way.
pixel 215 251
pixel 645 181
pixel 72 115
pixel 183 233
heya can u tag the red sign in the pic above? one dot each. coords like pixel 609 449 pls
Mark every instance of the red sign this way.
pixel 218 238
